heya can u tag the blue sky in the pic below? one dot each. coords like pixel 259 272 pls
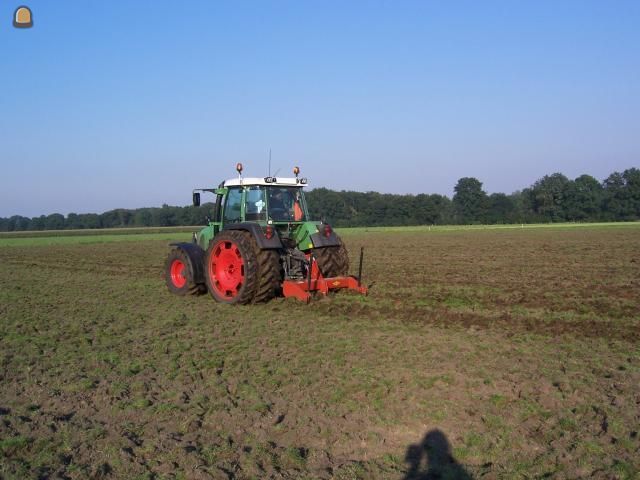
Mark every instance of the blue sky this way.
pixel 128 104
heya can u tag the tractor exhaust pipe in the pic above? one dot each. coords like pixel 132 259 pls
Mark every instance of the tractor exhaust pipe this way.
pixel 360 267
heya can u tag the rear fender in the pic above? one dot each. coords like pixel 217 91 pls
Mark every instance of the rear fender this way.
pixel 319 239
pixel 258 233
pixel 196 256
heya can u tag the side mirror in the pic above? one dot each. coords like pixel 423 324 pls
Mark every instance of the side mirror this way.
pixel 196 199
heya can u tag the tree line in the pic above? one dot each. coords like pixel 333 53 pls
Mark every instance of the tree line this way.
pixel 552 198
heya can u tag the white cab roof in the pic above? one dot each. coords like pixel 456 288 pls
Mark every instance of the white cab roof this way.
pixel 286 182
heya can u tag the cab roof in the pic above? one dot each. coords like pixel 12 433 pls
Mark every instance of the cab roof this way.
pixel 277 181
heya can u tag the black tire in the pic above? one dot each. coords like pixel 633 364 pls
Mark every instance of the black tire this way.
pixel 333 261
pixel 269 274
pixel 231 267
pixel 178 274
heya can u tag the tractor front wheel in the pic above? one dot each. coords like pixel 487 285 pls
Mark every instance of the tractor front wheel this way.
pixel 231 267
pixel 333 261
pixel 178 274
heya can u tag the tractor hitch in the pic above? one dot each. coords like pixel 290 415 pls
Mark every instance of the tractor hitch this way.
pixel 316 282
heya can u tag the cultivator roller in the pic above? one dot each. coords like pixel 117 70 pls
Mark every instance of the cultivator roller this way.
pixel 316 283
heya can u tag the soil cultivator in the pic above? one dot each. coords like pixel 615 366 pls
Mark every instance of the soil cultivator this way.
pixel 261 244
pixel 316 282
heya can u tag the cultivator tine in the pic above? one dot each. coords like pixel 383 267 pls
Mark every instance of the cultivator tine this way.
pixel 309 271
pixel 360 267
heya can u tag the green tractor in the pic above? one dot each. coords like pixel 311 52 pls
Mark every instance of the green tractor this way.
pixel 260 244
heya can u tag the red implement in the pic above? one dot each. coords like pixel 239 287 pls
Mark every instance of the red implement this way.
pixel 303 289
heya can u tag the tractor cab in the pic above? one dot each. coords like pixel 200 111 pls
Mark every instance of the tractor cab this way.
pixel 274 207
pixel 255 201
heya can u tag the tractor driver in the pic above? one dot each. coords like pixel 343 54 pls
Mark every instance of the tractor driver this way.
pixel 284 205
pixel 278 209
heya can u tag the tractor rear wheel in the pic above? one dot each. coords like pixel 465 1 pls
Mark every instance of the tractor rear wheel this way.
pixel 231 267
pixel 179 275
pixel 333 261
pixel 269 275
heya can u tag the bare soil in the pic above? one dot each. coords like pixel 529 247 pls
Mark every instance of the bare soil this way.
pixel 481 354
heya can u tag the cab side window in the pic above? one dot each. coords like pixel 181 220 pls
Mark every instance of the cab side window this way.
pixel 232 205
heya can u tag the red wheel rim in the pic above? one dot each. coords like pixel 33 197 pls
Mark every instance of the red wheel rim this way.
pixel 226 269
pixel 177 274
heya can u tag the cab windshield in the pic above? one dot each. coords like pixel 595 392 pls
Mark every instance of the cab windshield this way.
pixel 279 204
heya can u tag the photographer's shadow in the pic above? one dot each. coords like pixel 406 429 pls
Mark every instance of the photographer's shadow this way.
pixel 431 459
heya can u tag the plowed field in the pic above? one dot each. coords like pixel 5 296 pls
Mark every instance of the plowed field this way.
pixel 478 354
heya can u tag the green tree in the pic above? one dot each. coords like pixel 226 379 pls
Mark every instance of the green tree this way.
pixel 524 206
pixel 143 218
pixel 17 223
pixel 164 217
pixel 502 209
pixel 470 201
pixel 432 209
pixel 632 181
pixel 90 220
pixel 622 195
pixel 329 205
pixel 38 223
pixel 73 221
pixel 583 199
pixel 549 197
pixel 55 221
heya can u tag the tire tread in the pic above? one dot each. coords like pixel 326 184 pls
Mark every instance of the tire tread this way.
pixel 333 261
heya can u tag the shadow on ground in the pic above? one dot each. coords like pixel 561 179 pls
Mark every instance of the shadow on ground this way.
pixel 431 459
